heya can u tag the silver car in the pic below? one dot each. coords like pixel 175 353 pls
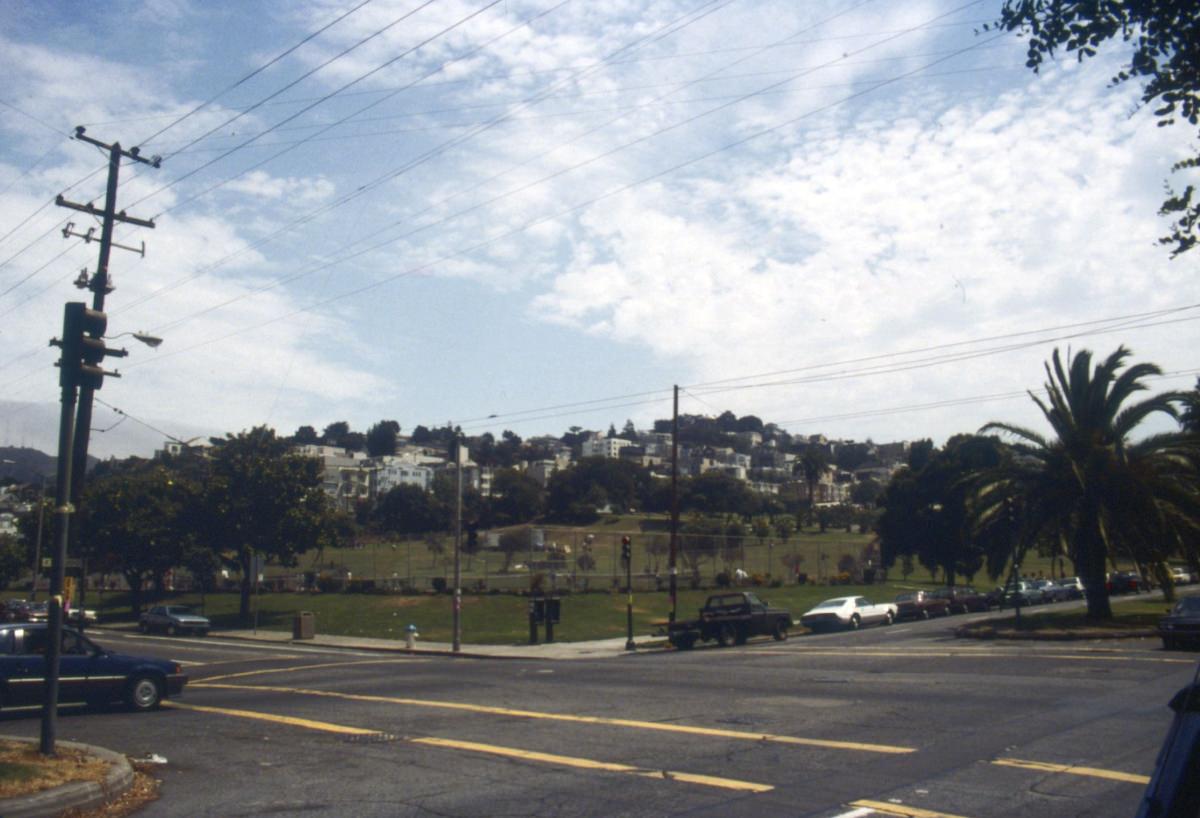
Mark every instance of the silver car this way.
pixel 173 619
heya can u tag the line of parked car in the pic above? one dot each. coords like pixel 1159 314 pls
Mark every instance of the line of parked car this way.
pixel 22 610
pixel 851 612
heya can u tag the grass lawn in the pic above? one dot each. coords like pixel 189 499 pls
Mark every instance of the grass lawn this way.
pixel 487 619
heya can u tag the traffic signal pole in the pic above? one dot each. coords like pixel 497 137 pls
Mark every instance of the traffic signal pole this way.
pixel 83 352
pixel 63 510
pixel 100 286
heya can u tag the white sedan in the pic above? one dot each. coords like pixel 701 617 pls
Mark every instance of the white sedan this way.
pixel 848 612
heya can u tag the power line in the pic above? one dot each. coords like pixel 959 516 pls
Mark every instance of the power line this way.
pixel 562 171
pixel 510 75
pixel 253 74
pixel 299 113
pixel 662 31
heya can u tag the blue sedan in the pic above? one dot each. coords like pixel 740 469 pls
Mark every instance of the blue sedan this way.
pixel 88 674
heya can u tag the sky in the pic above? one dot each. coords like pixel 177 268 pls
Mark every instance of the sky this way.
pixel 858 218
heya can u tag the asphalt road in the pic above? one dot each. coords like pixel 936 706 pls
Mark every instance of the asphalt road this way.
pixel 833 725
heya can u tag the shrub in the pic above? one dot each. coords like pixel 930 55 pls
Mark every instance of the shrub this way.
pixel 439 584
pixel 723 580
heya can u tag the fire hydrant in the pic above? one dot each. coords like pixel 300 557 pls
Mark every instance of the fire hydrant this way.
pixel 410 637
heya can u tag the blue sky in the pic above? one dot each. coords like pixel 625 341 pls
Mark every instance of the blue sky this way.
pixel 551 212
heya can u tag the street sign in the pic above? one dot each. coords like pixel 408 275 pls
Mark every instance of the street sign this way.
pixel 72 562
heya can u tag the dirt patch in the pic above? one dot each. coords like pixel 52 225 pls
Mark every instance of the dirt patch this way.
pixel 29 772
pixel 141 792
pixel 26 771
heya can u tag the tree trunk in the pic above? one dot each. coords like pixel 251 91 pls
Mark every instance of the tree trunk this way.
pixel 135 593
pixel 1089 558
pixel 246 561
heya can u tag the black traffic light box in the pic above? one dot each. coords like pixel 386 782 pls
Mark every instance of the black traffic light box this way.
pixel 83 349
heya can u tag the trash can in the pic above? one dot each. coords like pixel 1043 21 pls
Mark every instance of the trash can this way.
pixel 304 626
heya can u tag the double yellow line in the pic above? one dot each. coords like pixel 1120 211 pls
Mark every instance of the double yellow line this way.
pixel 488 749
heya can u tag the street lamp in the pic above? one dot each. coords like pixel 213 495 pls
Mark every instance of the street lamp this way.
pixel 151 341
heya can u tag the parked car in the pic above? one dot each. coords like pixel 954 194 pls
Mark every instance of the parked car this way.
pixel 1181 625
pixel 37 612
pixel 964 599
pixel 85 615
pixel 1181 575
pixel 172 620
pixel 1126 582
pixel 1051 591
pixel 848 612
pixel 1022 593
pixel 88 674
pixel 16 610
pixel 1073 586
pixel 921 605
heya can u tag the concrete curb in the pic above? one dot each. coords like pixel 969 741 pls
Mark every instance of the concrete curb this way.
pixel 75 795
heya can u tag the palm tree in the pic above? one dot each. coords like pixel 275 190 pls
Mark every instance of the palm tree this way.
pixel 813 463
pixel 1088 489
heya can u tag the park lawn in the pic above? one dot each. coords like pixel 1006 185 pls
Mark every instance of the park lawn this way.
pixel 487 618
pixel 1130 613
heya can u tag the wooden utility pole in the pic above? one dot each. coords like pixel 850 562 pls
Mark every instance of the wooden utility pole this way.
pixel 80 368
pixel 672 570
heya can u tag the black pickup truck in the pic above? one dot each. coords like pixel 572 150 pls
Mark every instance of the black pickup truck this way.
pixel 731 619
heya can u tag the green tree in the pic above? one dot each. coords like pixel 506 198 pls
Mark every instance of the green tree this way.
pixel 1163 35
pixel 813 463
pixel 305 434
pixel 926 512
pixel 516 497
pixel 1088 486
pixel 139 519
pixel 408 509
pixel 717 493
pixel 12 559
pixel 263 500
pixel 334 433
pixel 381 438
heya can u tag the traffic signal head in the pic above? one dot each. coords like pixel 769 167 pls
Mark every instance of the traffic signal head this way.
pixel 626 548
pixel 83 348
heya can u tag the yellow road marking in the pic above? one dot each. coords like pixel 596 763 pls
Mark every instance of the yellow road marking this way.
pixel 1071 769
pixel 589 764
pixel 902 809
pixel 321 666
pixel 565 717
pixel 323 726
pixel 509 752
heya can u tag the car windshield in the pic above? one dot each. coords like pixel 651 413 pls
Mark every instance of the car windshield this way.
pixel 1188 605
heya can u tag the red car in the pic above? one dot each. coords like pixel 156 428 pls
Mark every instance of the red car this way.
pixel 921 605
pixel 963 599
pixel 1126 582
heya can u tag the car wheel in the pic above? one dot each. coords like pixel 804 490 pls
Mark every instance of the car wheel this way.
pixel 854 622
pixel 143 693
pixel 726 635
pixel 889 619
pixel 780 632
pixel 172 630
pixel 924 613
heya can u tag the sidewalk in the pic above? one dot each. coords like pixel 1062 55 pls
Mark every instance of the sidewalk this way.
pixel 596 649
